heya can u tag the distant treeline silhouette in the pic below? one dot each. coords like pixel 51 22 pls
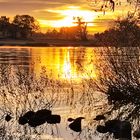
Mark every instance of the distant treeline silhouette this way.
pixel 76 32
pixel 22 26
pixel 66 33
pixel 25 26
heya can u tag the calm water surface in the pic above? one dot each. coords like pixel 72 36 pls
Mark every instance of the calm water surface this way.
pixel 60 62
pixel 71 64
pixel 63 79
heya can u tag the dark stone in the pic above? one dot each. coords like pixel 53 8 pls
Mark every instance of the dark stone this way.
pixel 54 119
pixel 8 118
pixel 35 121
pixel 22 120
pixel 76 124
pixel 70 119
pixel 100 117
pixel 26 117
pixel 43 114
pixel 39 118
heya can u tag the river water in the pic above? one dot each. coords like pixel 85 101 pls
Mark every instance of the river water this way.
pixel 60 62
pixel 63 79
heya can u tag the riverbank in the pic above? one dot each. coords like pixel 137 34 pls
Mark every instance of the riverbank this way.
pixel 47 43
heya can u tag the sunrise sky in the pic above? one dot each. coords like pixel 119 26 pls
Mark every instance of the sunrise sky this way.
pixel 57 13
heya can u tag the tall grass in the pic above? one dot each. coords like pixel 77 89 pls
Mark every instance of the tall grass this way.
pixel 22 90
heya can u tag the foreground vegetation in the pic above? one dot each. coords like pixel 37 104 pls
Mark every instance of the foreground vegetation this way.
pixel 117 84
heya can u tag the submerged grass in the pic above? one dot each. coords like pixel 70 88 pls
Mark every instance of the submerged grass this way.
pixel 22 90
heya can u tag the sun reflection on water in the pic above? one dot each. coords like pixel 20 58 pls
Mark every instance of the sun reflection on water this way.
pixel 65 63
pixel 67 67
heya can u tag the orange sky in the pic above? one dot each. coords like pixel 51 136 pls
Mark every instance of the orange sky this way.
pixel 50 13
pixel 67 14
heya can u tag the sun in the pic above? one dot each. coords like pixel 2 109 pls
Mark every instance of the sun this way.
pixel 86 15
pixel 68 14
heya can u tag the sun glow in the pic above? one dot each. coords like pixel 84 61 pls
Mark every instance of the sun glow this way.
pixel 68 14
pixel 67 67
pixel 87 16
pixel 65 63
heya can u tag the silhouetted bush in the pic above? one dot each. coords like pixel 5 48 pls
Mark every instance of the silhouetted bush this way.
pixel 119 75
pixel 125 33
